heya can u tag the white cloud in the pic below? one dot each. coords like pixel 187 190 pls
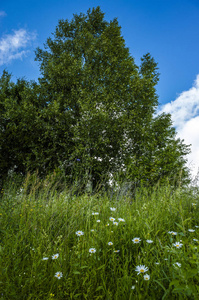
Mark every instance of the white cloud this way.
pixel 2 13
pixel 185 116
pixel 12 45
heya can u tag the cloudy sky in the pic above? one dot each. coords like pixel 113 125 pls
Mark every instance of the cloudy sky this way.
pixel 168 29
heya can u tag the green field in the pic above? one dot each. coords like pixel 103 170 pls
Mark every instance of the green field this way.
pixel 55 244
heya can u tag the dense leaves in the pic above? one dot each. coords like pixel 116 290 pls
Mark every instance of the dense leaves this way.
pixel 92 113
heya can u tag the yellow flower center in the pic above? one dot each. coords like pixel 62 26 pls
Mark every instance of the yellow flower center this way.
pixel 142 270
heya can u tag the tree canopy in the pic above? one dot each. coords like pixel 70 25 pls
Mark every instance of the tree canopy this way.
pixel 93 111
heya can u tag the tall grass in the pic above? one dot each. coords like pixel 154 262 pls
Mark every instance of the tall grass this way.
pixel 38 221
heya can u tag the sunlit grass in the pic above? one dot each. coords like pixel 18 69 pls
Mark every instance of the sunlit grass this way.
pixel 57 245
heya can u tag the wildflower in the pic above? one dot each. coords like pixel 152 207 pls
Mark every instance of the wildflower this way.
pixel 112 219
pixel 193 204
pixel 133 287
pixel 110 243
pixel 157 263
pixel 115 223
pixel 55 256
pixel 45 258
pixel 92 250
pixel 178 245
pixel 116 251
pixel 95 213
pixel 195 240
pixel 107 224
pixel 191 230
pixel 58 275
pixel 121 220
pixel 196 226
pixel 177 264
pixel 112 208
pixel 149 241
pixel 141 269
pixel 79 233
pixel 136 240
pixel 98 221
pixel 146 277
pixel 173 232
pixel 92 230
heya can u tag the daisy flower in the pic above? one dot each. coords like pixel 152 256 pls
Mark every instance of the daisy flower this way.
pixel 177 264
pixel 196 226
pixel 116 251
pixel 92 250
pixel 191 230
pixel 45 258
pixel 58 275
pixel 149 241
pixel 110 243
pixel 112 219
pixel 55 256
pixel 92 230
pixel 79 233
pixel 172 232
pixel 115 223
pixel 195 240
pixel 98 221
pixel 146 277
pixel 121 220
pixel 133 287
pixel 177 244
pixel 157 263
pixel 136 240
pixel 95 213
pixel 141 269
pixel 112 208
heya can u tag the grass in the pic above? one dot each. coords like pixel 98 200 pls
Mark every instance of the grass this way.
pixel 37 223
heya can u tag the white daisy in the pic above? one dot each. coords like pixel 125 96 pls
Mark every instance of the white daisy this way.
pixel 136 240
pixel 55 256
pixel 149 241
pixel 92 230
pixel 79 233
pixel 112 208
pixel 95 213
pixel 146 277
pixel 173 232
pixel 141 269
pixel 196 226
pixel 45 258
pixel 177 264
pixel 115 223
pixel 195 240
pixel 157 263
pixel 121 220
pixel 92 250
pixel 133 287
pixel 98 221
pixel 177 244
pixel 58 275
pixel 112 219
pixel 110 243
pixel 116 251
pixel 191 230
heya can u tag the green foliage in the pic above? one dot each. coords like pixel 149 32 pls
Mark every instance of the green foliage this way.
pixel 92 113
pixel 38 222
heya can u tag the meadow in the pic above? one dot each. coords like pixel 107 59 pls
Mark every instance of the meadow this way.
pixel 57 244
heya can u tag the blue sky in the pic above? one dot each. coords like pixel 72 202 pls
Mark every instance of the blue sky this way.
pixel 168 29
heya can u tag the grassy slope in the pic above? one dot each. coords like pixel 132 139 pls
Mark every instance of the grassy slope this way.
pixel 42 222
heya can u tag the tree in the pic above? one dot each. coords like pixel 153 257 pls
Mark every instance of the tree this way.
pixel 108 101
pixel 95 113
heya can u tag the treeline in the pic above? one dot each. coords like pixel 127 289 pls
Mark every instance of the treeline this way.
pixel 92 112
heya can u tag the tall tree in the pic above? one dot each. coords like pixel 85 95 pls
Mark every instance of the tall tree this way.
pixel 93 110
pixel 108 101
